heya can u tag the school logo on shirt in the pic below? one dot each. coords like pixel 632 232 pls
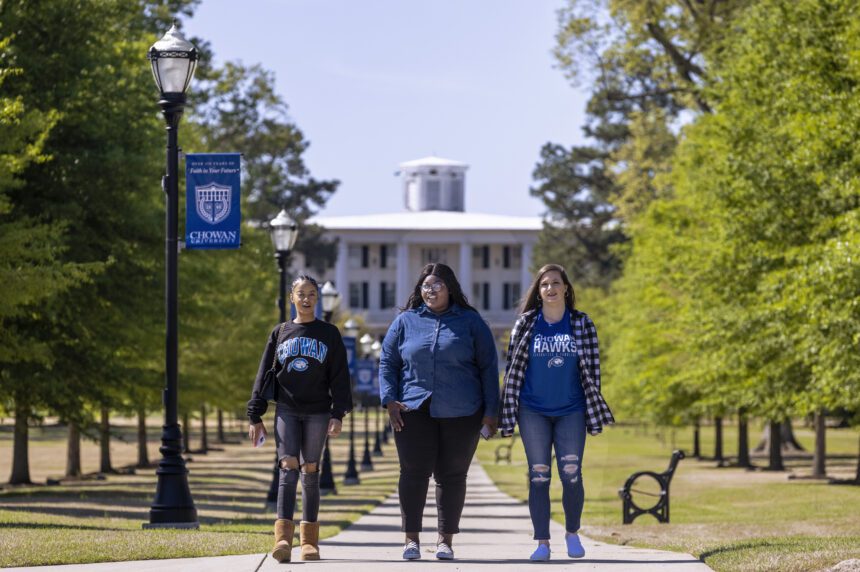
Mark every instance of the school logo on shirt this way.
pixel 556 361
pixel 553 344
pixel 305 347
pixel 298 364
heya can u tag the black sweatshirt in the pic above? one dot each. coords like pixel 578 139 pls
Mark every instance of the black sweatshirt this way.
pixel 313 376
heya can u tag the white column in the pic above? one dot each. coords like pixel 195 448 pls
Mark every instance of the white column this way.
pixel 404 284
pixel 525 273
pixel 465 274
pixel 341 275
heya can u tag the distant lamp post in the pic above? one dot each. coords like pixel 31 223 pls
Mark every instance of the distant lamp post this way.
pixel 284 232
pixel 376 351
pixel 330 301
pixel 366 342
pixel 350 329
pixel 173 60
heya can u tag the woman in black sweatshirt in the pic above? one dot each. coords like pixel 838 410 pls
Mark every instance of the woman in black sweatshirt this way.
pixel 312 395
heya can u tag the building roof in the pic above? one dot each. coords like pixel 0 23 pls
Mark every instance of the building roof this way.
pixel 432 161
pixel 430 220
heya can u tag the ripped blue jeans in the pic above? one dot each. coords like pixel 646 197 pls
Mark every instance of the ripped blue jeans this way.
pixel 539 433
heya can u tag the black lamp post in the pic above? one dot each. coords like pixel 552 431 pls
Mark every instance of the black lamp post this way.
pixel 350 328
pixel 173 60
pixel 330 301
pixel 284 232
pixel 366 342
pixel 376 351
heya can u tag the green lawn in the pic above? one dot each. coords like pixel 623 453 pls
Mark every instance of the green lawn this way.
pixel 100 520
pixel 731 518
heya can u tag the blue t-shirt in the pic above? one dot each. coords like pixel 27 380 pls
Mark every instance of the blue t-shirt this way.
pixel 552 385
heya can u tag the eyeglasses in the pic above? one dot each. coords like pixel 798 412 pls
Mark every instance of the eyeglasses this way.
pixel 435 287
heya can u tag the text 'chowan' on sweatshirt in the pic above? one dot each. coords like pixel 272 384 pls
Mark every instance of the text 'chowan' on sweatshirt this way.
pixel 312 371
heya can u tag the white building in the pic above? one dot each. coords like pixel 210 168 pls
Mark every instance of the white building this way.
pixel 381 255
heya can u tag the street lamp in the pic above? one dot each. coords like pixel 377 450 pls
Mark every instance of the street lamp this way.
pixel 173 60
pixel 330 300
pixel 366 342
pixel 284 232
pixel 376 351
pixel 350 329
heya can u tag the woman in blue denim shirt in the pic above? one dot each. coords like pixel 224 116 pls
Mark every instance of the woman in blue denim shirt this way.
pixel 552 389
pixel 439 380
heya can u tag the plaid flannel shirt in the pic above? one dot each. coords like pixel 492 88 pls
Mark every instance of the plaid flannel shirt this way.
pixel 597 413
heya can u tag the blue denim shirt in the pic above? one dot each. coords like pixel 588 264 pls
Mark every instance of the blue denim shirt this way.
pixel 451 356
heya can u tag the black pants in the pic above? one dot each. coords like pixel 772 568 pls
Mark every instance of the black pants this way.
pixel 443 447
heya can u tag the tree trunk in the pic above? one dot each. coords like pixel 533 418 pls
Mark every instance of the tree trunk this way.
pixel 697 449
pixel 775 451
pixel 718 440
pixel 789 443
pixel 21 453
pixel 204 441
pixel 221 438
pixel 73 451
pixel 104 442
pixel 743 441
pixel 819 457
pixel 857 474
pixel 186 430
pixel 142 451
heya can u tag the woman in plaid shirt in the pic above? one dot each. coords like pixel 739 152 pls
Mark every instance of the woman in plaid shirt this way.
pixel 552 389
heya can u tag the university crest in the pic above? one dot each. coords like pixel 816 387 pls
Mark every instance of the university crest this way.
pixel 213 202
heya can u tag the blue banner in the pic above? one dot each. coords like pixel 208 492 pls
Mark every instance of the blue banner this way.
pixel 364 380
pixel 349 344
pixel 212 215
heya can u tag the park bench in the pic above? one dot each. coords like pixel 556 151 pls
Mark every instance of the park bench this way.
pixel 660 509
pixel 503 451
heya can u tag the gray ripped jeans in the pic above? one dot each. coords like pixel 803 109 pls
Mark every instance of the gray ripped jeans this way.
pixel 300 439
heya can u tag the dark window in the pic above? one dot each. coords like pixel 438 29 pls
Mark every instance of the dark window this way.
pixel 365 295
pixel 485 262
pixel 365 256
pixel 354 295
pixel 383 256
pixel 506 257
pixel 486 298
pixel 386 295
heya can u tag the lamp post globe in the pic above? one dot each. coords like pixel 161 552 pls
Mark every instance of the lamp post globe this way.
pixel 330 299
pixel 284 232
pixel 173 60
pixel 350 328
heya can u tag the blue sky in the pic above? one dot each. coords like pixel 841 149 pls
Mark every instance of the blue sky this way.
pixel 376 83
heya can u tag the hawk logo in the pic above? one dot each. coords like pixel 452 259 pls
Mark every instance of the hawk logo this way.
pixel 213 202
pixel 298 364
pixel 556 361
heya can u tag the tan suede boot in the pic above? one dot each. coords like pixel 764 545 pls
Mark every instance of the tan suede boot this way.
pixel 309 533
pixel 284 530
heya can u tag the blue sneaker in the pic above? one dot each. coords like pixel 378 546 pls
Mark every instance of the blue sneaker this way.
pixel 574 546
pixel 541 554
pixel 444 552
pixel 411 551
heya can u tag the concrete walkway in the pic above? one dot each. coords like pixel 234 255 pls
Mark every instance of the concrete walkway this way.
pixel 496 535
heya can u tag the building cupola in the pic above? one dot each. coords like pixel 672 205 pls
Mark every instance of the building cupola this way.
pixel 434 184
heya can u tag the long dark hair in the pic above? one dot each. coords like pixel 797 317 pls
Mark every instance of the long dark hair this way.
pixel 444 273
pixel 532 299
